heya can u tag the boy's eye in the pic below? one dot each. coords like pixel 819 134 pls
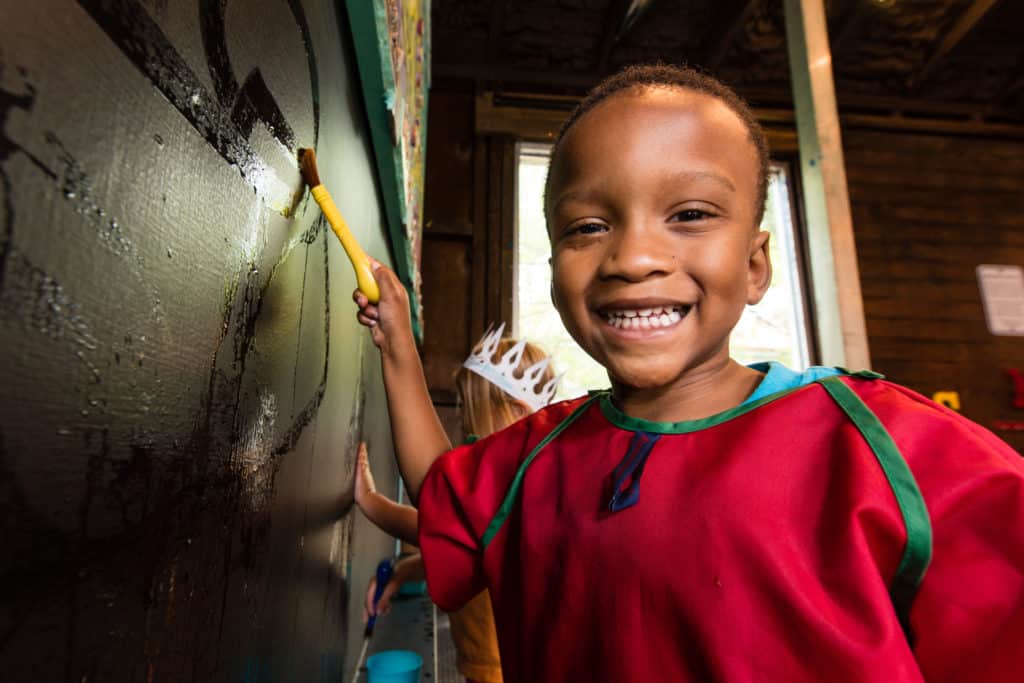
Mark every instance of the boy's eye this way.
pixel 688 215
pixel 586 229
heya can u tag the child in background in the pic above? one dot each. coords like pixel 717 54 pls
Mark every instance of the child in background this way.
pixel 706 521
pixel 485 408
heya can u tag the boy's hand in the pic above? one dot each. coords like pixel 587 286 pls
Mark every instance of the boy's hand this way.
pixel 409 568
pixel 388 319
pixel 364 478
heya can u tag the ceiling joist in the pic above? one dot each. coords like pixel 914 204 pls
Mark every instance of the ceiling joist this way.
pixel 846 26
pixel 614 15
pixel 636 9
pixel 953 37
pixel 496 27
pixel 734 17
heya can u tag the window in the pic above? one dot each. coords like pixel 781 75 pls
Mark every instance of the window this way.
pixel 775 329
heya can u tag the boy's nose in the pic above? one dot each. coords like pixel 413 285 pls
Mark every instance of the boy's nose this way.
pixel 636 254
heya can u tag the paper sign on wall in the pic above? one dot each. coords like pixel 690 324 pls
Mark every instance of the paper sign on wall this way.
pixel 1002 293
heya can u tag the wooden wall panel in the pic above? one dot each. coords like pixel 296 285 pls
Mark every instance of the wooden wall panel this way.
pixel 469 241
pixel 446 310
pixel 448 202
pixel 927 210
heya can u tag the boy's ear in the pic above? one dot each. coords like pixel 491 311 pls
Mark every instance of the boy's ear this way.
pixel 759 268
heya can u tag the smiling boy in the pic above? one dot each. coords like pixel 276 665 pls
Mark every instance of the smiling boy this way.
pixel 706 521
pixel 654 205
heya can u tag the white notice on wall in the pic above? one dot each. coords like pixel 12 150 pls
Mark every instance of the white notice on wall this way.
pixel 1002 293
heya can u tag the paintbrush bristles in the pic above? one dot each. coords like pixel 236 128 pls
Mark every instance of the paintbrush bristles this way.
pixel 307 162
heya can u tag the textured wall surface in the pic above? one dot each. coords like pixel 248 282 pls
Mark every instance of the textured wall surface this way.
pixel 927 210
pixel 183 381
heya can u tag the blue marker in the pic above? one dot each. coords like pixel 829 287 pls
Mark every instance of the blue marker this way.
pixel 384 572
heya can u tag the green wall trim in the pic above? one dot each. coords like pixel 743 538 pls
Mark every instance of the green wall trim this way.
pixel 369 28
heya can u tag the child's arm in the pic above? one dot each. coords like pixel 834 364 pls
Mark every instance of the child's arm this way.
pixel 418 434
pixel 392 518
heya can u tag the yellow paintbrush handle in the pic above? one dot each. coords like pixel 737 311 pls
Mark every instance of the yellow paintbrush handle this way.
pixel 361 264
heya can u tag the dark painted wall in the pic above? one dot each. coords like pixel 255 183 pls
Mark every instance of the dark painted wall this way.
pixel 183 381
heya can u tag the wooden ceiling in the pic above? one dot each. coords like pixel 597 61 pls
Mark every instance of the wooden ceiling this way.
pixel 946 59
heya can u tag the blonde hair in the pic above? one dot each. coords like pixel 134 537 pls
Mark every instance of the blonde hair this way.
pixel 486 408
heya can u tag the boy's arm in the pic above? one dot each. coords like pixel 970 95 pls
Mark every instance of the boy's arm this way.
pixel 418 434
pixel 968 615
pixel 394 519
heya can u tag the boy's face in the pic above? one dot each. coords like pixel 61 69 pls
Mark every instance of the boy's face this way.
pixel 654 248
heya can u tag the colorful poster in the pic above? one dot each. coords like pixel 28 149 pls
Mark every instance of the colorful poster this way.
pixel 392 41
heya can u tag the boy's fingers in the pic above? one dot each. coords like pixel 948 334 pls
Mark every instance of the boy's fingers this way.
pixel 385 277
pixel 366 320
pixel 384 604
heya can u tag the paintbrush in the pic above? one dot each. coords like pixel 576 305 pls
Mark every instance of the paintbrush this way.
pixel 384 573
pixel 360 262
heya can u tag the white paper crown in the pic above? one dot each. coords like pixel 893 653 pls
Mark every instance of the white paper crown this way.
pixel 502 373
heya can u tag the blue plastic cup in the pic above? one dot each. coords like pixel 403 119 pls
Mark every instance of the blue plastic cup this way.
pixel 394 666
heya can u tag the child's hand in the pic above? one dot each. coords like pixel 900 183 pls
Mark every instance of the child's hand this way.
pixel 388 319
pixel 408 568
pixel 364 478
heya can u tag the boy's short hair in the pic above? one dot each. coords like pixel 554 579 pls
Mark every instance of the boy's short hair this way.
pixel 671 76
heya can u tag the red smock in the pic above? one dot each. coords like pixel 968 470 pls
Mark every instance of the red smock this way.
pixel 766 543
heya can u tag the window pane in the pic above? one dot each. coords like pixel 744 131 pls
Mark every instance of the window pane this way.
pixel 536 318
pixel 775 329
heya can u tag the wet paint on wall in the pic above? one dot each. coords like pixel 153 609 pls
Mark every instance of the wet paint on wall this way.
pixel 184 382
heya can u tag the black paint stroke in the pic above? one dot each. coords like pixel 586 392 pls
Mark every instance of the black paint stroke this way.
pixel 314 77
pixel 312 407
pixel 252 101
pixel 211 26
pixel 10 101
pixel 225 127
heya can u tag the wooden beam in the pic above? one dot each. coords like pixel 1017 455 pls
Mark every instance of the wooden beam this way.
pixel 539 124
pixel 954 36
pixel 737 19
pixel 884 104
pixel 838 305
pixel 497 23
pixel 614 15
pixel 531 118
pixel 498 72
pixel 1013 89
pixel 848 25
pixel 636 9
pixel 1014 85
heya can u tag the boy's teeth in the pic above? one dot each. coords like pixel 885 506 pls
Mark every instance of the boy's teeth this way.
pixel 645 318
